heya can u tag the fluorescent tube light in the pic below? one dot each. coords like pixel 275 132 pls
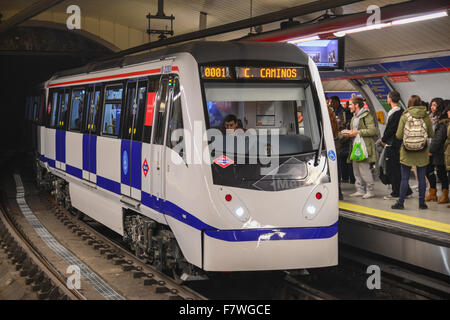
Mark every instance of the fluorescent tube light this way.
pixel 421 18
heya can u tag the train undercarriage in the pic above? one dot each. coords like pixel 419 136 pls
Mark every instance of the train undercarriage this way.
pixel 150 241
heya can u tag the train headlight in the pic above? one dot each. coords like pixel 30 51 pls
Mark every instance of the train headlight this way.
pixel 234 205
pixel 315 202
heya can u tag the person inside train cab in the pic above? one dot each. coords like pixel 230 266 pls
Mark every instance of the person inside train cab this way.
pixel 230 122
pixel 232 125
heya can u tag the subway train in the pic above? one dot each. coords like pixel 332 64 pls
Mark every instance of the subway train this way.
pixel 139 144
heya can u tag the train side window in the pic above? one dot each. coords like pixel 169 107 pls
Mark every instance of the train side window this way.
pixel 112 109
pixel 77 109
pixel 153 85
pixel 175 125
pixel 53 108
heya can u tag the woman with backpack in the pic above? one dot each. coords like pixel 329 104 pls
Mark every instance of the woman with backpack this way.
pixel 414 128
pixel 436 149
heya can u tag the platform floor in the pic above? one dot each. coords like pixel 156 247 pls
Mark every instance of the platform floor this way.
pixel 436 217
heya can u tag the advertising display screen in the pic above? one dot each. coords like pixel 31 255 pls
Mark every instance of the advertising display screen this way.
pixel 327 54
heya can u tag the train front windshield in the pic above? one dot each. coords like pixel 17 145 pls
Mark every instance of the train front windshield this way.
pixel 282 110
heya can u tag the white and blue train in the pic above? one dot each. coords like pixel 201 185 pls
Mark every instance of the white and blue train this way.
pixel 127 142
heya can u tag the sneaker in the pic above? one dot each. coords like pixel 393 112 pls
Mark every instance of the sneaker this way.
pixel 357 194
pixel 423 206
pixel 390 197
pixel 368 195
pixel 398 206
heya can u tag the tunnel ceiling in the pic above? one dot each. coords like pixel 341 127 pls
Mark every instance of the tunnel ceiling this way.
pixel 124 23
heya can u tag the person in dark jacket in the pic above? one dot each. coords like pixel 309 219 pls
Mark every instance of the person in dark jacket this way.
pixel 392 145
pixel 436 109
pixel 437 156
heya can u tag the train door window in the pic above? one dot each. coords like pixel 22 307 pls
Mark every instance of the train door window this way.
pixel 52 109
pixel 88 107
pixel 160 119
pixel 153 85
pixel 77 109
pixel 129 108
pixel 112 109
pixel 175 123
pixel 92 109
pixel 134 112
pixel 63 107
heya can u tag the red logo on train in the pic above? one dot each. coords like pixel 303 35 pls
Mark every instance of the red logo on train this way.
pixel 223 161
pixel 145 167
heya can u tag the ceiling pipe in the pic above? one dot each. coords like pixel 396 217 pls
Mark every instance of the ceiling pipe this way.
pixel 326 28
pixel 304 9
pixel 27 13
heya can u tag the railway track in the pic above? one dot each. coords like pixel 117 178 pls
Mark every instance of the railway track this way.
pixel 320 285
pixel 38 272
pixel 144 281
pixel 112 251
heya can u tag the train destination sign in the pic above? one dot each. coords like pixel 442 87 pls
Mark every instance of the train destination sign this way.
pixel 255 73
pixel 269 73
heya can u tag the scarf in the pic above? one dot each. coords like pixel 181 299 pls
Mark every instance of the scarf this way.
pixel 357 117
pixel 392 111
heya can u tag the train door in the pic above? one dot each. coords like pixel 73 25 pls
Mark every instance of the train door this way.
pixel 157 146
pixel 131 145
pixel 90 133
pixel 60 145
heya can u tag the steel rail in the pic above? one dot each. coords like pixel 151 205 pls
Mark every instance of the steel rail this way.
pixel 34 254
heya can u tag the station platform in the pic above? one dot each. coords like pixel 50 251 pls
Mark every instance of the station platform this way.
pixel 417 237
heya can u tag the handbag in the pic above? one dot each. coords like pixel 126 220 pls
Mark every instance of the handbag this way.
pixel 359 150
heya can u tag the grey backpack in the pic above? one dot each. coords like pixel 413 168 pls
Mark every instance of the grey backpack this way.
pixel 415 134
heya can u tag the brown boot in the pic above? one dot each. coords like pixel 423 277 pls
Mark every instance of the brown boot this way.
pixel 444 198
pixel 432 195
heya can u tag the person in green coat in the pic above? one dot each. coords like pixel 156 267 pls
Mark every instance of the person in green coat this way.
pixel 408 159
pixel 363 124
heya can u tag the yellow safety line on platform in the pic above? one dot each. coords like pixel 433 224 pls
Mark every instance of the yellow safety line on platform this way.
pixel 420 222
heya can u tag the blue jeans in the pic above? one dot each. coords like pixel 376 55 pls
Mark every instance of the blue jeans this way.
pixel 406 171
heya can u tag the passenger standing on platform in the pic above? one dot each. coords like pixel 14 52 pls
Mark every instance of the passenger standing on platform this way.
pixel 447 142
pixel 437 154
pixel 392 145
pixel 436 110
pixel 363 124
pixel 415 115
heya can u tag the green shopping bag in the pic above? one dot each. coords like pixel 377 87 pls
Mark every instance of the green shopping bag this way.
pixel 359 150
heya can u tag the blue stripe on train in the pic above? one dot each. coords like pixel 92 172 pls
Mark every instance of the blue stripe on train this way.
pixel 74 171
pixel 108 184
pixel 168 208
pixel 274 234
pixel 136 158
pixel 90 153
pixel 130 159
